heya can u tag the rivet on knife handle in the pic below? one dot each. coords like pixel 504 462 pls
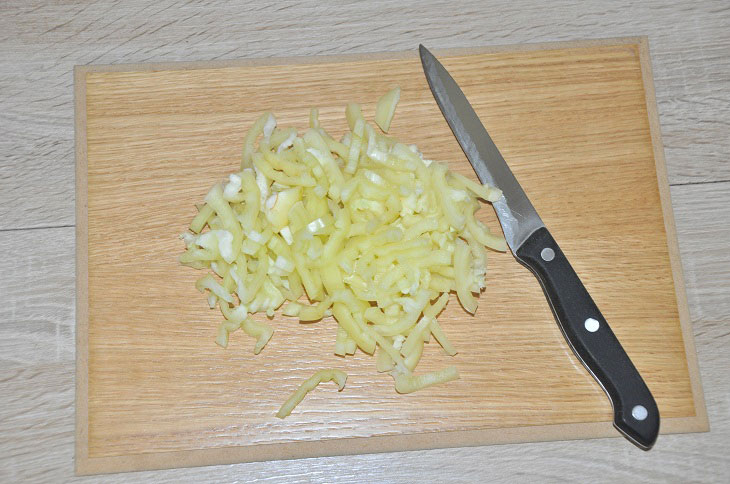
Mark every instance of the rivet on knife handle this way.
pixel 636 414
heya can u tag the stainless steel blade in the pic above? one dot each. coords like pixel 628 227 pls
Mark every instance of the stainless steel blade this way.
pixel 514 210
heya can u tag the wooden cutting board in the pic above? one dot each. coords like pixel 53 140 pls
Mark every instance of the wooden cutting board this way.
pixel 577 123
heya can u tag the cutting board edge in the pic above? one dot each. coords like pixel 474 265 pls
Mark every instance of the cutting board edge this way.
pixel 82 272
pixel 366 445
pixel 670 227
pixel 364 56
pixel 85 465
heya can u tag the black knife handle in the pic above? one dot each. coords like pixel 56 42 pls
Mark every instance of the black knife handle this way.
pixel 635 412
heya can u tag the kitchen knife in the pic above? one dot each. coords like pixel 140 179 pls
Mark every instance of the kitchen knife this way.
pixel 636 414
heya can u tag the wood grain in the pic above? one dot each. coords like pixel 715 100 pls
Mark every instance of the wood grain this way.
pixel 585 116
pixel 41 41
pixel 37 397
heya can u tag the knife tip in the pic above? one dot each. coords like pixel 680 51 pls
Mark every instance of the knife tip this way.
pixel 424 53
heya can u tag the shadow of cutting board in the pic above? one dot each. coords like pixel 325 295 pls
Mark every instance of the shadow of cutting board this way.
pixel 577 123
